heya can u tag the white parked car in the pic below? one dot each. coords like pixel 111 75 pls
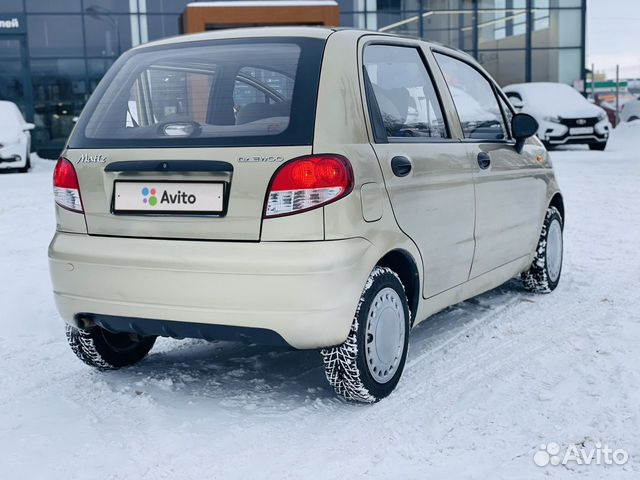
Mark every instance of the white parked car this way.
pixel 630 111
pixel 15 139
pixel 564 116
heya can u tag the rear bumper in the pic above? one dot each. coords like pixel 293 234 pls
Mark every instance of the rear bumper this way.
pixel 303 292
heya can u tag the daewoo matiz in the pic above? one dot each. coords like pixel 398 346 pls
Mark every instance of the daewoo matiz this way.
pixel 316 188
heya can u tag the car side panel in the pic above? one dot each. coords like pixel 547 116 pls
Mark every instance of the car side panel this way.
pixel 509 197
pixel 434 204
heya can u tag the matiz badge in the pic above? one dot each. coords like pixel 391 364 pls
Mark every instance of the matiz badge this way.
pixel 84 158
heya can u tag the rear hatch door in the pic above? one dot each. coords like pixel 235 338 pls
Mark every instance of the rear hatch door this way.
pixel 133 196
pixel 181 140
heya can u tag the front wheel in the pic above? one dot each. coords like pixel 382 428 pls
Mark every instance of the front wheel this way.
pixel 105 350
pixel 543 275
pixel 368 365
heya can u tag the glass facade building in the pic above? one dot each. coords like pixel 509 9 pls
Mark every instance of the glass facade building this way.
pixel 53 53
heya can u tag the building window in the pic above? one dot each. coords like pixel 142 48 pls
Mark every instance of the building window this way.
pixel 55 35
pixel 107 35
pixel 162 26
pixel 12 6
pixel 540 15
pixel 49 6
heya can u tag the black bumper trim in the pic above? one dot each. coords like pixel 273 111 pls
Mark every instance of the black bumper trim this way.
pixel 11 159
pixel 168 328
pixel 577 139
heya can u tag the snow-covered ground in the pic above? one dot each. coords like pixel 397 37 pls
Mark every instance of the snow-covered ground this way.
pixel 487 381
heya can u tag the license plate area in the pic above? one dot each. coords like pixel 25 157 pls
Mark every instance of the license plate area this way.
pixel 169 198
pixel 581 131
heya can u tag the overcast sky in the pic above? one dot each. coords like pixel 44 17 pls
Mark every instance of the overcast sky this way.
pixel 613 36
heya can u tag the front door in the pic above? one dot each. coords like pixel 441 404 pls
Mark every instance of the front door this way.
pixel 428 174
pixel 509 185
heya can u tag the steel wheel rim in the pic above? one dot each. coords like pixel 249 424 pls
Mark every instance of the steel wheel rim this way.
pixel 554 250
pixel 385 335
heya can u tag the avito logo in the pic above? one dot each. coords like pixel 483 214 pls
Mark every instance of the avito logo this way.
pixel 150 196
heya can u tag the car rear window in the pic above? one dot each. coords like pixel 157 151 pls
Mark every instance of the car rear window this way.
pixel 243 92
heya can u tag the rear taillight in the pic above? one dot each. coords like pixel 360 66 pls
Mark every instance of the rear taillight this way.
pixel 66 189
pixel 308 182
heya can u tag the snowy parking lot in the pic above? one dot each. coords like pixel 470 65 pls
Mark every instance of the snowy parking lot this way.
pixel 487 382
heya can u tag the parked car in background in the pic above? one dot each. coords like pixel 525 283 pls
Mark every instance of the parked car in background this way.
pixel 630 111
pixel 607 100
pixel 215 188
pixel 564 116
pixel 15 138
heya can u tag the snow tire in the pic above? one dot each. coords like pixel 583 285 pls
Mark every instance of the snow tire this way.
pixel 346 366
pixel 104 350
pixel 537 278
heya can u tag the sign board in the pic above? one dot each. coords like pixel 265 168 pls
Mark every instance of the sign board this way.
pixel 12 23
pixel 202 16
pixel 607 85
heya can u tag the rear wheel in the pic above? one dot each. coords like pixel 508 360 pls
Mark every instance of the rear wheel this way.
pixel 105 350
pixel 544 273
pixel 368 365
pixel 598 146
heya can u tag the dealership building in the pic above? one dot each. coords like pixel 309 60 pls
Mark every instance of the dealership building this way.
pixel 53 53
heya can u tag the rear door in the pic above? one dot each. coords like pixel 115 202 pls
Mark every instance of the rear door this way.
pixel 181 141
pixel 510 186
pixel 427 172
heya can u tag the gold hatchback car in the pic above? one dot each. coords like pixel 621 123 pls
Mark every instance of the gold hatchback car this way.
pixel 311 187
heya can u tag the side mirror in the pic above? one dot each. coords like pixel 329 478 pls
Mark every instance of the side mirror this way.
pixel 517 103
pixel 28 126
pixel 523 126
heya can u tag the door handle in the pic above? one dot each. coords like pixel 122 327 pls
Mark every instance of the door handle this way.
pixel 401 166
pixel 484 160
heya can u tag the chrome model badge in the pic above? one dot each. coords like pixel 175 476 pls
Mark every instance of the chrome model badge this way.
pixel 261 159
pixel 84 158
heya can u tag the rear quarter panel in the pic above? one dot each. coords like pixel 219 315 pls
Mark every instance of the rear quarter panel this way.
pixel 342 128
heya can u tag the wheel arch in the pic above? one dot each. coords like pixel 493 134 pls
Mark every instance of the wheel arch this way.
pixel 403 263
pixel 558 202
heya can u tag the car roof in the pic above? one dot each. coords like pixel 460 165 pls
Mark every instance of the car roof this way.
pixel 289 31
pixel 9 110
pixel 6 106
pixel 536 85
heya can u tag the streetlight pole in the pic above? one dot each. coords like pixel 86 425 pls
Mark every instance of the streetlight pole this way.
pixel 617 94
pixel 105 15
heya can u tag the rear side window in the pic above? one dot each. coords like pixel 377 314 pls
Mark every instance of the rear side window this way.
pixel 217 93
pixel 474 98
pixel 404 92
pixel 260 85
